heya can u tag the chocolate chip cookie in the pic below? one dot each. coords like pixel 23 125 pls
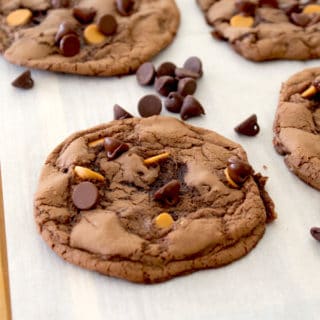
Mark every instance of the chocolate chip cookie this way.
pixel 89 37
pixel 297 125
pixel 263 30
pixel 147 199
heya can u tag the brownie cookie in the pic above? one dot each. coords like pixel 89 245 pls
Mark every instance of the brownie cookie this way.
pixel 297 125
pixel 147 199
pixel 89 37
pixel 263 30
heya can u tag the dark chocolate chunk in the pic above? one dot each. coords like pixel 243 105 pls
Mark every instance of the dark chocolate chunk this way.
pixel 239 170
pixel 165 84
pixel 191 107
pixel 185 73
pixel 60 3
pixel 69 45
pixel 124 7
pixel 85 195
pixel 268 3
pixel 84 15
pixel 248 127
pixel 315 232
pixel 149 105
pixel 193 64
pixel 169 193
pixel 119 113
pixel 246 7
pixel 114 147
pixel 187 86
pixel 173 102
pixel 300 19
pixel 107 24
pixel 146 74
pixel 24 81
pixel 64 29
pixel 166 69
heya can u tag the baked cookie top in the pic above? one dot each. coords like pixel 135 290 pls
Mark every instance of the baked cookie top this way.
pixel 297 125
pixel 148 199
pixel 263 30
pixel 90 37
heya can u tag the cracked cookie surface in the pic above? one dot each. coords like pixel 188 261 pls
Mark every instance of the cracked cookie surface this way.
pixel 281 29
pixel 140 35
pixel 297 126
pixel 130 233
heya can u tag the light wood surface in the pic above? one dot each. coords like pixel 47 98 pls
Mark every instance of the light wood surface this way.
pixel 5 310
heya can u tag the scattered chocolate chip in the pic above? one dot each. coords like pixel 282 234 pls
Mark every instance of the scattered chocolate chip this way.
pixel 187 86
pixel 185 73
pixel 85 195
pixel 114 147
pixel 248 127
pixel 300 19
pixel 173 102
pixel 84 15
pixel 64 29
pixel 24 81
pixel 268 3
pixel 166 69
pixel 146 74
pixel 291 8
pixel 165 84
pixel 246 7
pixel 124 7
pixel 107 24
pixel 119 113
pixel 149 105
pixel 193 64
pixel 60 3
pixel 69 45
pixel 169 193
pixel 239 170
pixel 191 107
pixel 315 232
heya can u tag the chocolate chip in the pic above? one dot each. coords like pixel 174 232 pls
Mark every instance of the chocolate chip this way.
pixel 193 64
pixel 149 105
pixel 185 73
pixel 60 3
pixel 239 170
pixel 315 232
pixel 173 102
pixel 146 74
pixel 165 84
pixel 107 24
pixel 124 7
pixel 169 193
pixel 187 86
pixel 191 107
pixel 166 69
pixel 291 8
pixel 248 127
pixel 24 81
pixel 84 15
pixel 64 29
pixel 300 19
pixel 268 3
pixel 119 113
pixel 85 195
pixel 114 147
pixel 69 45
pixel 246 7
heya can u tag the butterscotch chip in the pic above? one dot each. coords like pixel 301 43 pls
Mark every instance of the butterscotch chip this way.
pixel 92 34
pixel 96 143
pixel 164 220
pixel 311 91
pixel 157 158
pixel 19 17
pixel 240 21
pixel 87 174
pixel 311 8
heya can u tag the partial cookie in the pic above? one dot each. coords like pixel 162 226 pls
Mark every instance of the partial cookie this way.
pixel 297 125
pixel 147 199
pixel 263 30
pixel 89 37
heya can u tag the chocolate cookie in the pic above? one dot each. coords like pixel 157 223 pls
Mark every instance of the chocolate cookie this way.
pixel 263 30
pixel 297 125
pixel 147 199
pixel 89 37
